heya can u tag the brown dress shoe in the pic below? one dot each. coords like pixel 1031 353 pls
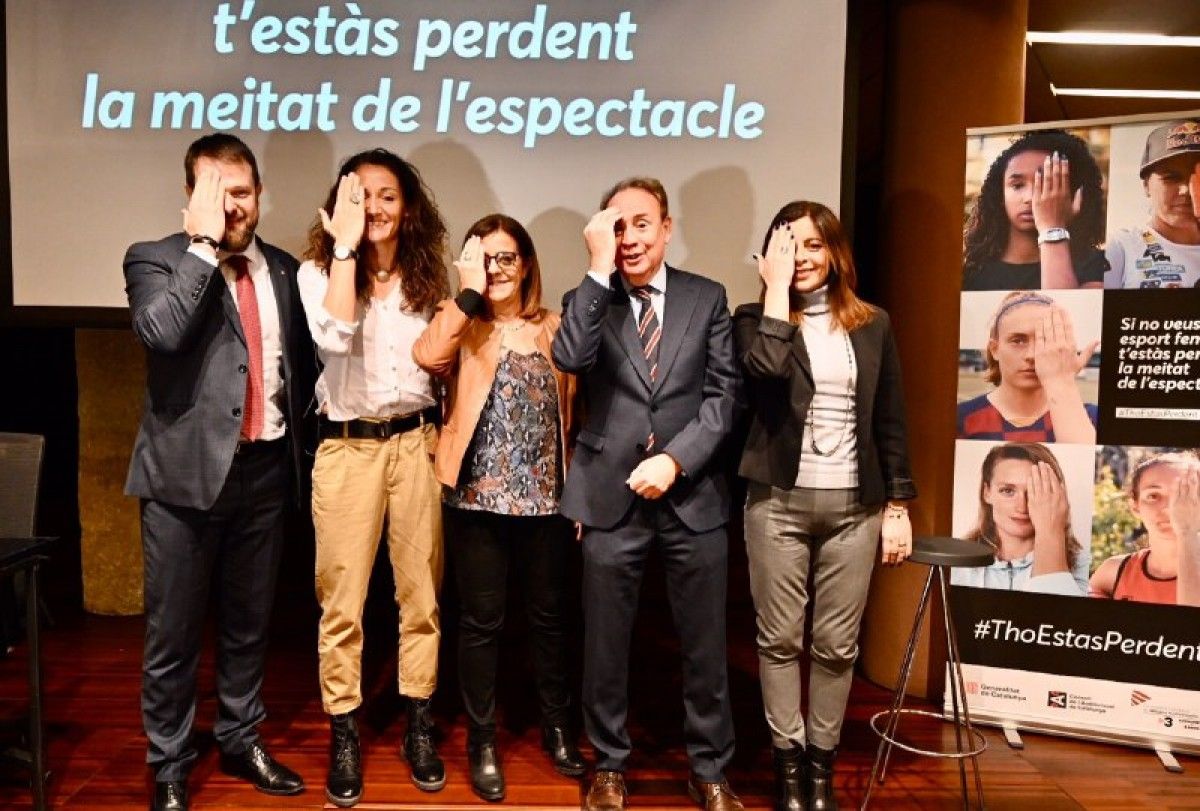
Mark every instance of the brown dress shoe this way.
pixel 714 796
pixel 607 792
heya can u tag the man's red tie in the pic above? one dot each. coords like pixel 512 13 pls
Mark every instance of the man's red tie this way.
pixel 252 411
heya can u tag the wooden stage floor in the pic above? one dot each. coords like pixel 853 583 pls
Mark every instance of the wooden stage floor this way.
pixel 96 748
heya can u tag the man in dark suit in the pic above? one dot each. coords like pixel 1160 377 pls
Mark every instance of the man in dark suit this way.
pixel 653 350
pixel 220 448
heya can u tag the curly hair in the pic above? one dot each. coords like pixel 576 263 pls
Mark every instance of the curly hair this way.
pixel 421 240
pixel 987 230
pixel 1032 452
pixel 846 308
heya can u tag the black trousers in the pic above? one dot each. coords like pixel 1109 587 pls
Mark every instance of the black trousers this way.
pixel 484 546
pixel 229 554
pixel 695 563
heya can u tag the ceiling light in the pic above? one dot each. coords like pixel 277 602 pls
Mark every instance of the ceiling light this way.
pixel 1110 38
pixel 1117 93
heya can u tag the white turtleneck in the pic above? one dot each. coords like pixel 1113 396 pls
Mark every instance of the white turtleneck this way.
pixel 832 412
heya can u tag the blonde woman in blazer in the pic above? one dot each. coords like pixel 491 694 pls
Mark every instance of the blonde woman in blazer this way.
pixel 502 456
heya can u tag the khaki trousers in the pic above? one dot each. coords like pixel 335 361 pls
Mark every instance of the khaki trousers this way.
pixel 356 483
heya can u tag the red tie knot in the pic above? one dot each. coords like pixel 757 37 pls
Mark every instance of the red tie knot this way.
pixel 239 263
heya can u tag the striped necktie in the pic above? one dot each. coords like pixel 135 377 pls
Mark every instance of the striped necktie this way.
pixel 649 333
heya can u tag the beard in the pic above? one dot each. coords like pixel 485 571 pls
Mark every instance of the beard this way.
pixel 239 235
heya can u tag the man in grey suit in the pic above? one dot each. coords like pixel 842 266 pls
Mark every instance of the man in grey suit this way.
pixel 653 350
pixel 220 448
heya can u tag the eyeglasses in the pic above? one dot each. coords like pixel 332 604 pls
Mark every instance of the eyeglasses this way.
pixel 505 260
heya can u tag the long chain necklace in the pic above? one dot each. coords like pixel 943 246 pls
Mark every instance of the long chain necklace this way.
pixel 812 430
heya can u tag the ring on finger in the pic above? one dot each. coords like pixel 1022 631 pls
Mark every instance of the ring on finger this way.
pixel 355 198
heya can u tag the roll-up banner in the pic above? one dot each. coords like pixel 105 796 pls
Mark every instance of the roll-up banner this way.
pixel 1077 458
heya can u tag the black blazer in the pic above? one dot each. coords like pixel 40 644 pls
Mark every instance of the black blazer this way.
pixel 691 406
pixel 780 384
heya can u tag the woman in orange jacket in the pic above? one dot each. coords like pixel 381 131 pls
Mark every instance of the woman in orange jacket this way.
pixel 501 456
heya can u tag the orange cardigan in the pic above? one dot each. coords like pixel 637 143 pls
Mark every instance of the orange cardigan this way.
pixel 464 352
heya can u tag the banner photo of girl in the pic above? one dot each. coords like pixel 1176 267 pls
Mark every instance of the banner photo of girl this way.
pixel 1154 206
pixel 1028 365
pixel 1145 535
pixel 1031 505
pixel 1034 210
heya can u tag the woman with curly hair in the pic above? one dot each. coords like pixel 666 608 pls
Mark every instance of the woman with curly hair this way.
pixel 374 273
pixel 1025 519
pixel 1039 219
pixel 1164 492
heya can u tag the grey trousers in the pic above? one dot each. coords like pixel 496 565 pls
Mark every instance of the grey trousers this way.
pixel 790 535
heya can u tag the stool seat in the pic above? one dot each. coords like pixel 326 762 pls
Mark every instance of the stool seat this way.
pixel 933 550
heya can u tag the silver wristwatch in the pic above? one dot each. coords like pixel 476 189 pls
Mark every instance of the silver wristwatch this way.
pixel 1053 235
pixel 341 253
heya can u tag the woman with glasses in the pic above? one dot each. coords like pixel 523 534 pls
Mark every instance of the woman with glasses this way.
pixel 501 458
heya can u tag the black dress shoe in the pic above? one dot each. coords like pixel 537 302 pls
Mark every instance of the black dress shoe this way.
pixel 487 780
pixel 264 772
pixel 564 754
pixel 170 795
pixel 344 785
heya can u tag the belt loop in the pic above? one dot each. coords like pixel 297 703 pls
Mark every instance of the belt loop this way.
pixel 346 429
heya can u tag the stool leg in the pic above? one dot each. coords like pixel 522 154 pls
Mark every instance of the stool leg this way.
pixel 958 695
pixel 883 753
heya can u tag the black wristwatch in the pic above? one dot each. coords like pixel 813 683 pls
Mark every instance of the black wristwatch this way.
pixel 205 239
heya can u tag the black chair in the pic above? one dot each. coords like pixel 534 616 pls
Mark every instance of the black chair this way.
pixel 21 555
pixel 939 554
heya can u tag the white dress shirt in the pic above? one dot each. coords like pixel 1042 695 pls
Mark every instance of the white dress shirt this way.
pixel 658 292
pixel 274 425
pixel 369 370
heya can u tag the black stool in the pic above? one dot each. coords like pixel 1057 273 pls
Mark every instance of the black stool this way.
pixel 938 554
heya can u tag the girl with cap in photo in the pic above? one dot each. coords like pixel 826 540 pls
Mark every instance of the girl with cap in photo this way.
pixel 1165 252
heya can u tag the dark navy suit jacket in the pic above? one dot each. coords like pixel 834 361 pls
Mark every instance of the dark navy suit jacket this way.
pixel 691 406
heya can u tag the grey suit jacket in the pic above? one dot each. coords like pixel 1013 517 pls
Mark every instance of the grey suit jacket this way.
pixel 185 316
pixel 691 406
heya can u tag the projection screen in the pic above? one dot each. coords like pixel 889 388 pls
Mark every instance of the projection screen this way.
pixel 531 109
